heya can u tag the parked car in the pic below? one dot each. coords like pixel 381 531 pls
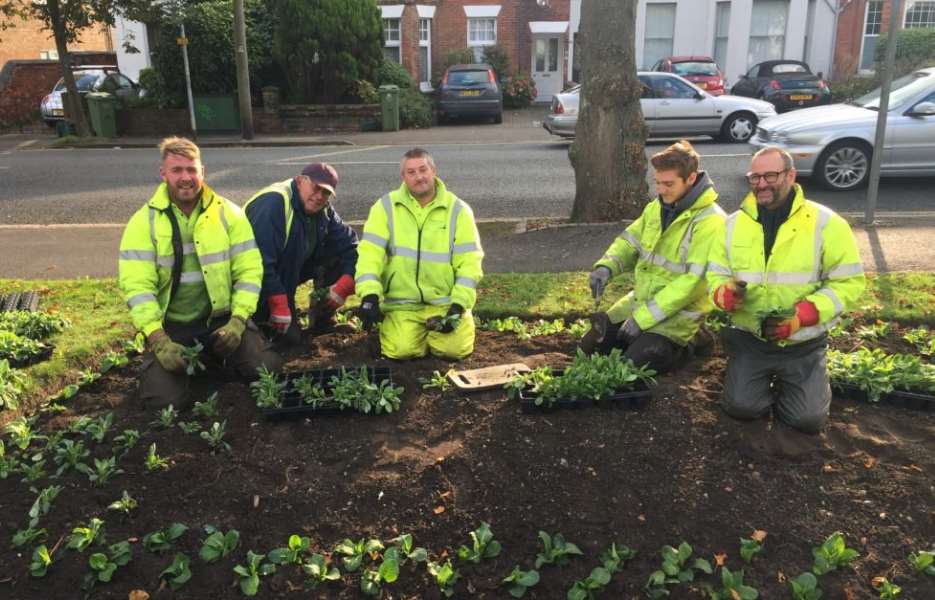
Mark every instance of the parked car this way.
pixel 470 91
pixel 787 84
pixel 674 107
pixel 92 78
pixel 834 143
pixel 700 70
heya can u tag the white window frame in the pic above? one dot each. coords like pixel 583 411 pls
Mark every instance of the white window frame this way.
pixel 751 37
pixel 726 37
pixel 48 54
pixel 426 42
pixel 921 24
pixel 671 37
pixel 478 45
pixel 864 35
pixel 391 13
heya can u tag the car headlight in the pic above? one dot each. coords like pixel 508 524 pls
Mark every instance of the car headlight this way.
pixel 778 137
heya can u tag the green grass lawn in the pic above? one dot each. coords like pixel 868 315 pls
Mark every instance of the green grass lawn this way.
pixel 100 320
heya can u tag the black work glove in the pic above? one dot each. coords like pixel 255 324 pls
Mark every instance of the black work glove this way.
pixel 369 311
pixel 629 331
pixel 448 323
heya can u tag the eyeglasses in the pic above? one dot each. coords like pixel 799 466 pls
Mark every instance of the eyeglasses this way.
pixel 769 177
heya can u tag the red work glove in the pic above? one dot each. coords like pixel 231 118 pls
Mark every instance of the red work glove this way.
pixel 729 296
pixel 339 292
pixel 279 314
pixel 806 315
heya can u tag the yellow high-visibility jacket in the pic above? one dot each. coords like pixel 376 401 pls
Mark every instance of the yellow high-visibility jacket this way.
pixel 411 256
pixel 231 267
pixel 669 296
pixel 814 258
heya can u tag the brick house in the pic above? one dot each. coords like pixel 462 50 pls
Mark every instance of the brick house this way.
pixel 534 34
pixel 860 24
pixel 27 40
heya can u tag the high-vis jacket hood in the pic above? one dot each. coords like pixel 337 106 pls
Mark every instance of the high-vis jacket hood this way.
pixel 411 256
pixel 814 258
pixel 231 267
pixel 669 296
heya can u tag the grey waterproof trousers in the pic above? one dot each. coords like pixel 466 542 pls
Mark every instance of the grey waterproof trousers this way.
pixel 160 388
pixel 761 375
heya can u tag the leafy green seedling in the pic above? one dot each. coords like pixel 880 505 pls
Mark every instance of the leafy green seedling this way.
pixel 161 540
pixel 21 432
pixel 66 393
pixel 923 562
pixel 135 345
pixel 887 589
pixel 178 572
pixel 104 565
pixel 82 537
pixel 43 504
pixel 613 558
pixel 166 417
pixel 371 581
pixel 69 454
pixel 832 554
pixel 154 461
pixel 408 550
pixel 126 504
pixel 441 323
pixel 318 571
pixel 483 545
pixel 32 472
pixel 191 356
pixel 189 427
pixel 218 545
pixel 294 553
pixel 675 569
pixel 445 575
pixel 8 464
pixel 267 389
pixel 520 581
pixel 126 440
pixel 104 469
pixel 28 536
pixel 352 553
pixel 251 573
pixel 353 389
pixel 207 409
pixel 438 381
pixel 113 360
pixel 585 589
pixel 98 428
pixel 750 547
pixel 555 550
pixel 310 391
pixel 805 587
pixel 732 587
pixel 215 437
pixel 87 377
pixel 41 561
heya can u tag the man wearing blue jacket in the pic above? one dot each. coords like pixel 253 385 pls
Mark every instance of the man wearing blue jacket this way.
pixel 302 238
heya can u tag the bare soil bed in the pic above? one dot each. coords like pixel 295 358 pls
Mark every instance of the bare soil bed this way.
pixel 678 470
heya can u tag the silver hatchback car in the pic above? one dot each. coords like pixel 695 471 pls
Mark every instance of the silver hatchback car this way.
pixel 834 143
pixel 674 107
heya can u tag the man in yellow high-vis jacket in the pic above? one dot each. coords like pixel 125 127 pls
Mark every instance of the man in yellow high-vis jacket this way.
pixel 418 266
pixel 190 271
pixel 786 269
pixel 667 249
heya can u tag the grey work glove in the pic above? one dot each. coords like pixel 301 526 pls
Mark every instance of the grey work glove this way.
pixel 629 331
pixel 169 354
pixel 598 281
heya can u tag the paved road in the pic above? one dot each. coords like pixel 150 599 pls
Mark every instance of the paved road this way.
pixel 501 180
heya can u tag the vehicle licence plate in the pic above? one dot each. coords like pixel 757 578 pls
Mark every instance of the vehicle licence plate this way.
pixel 800 97
pixel 58 112
pixel 702 85
pixel 470 93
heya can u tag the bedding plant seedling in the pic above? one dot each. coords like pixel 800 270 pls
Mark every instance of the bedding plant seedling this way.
pixel 103 565
pixel 191 355
pixel 408 550
pixel 832 554
pixel 352 389
pixel 675 569
pixel 166 417
pixel 555 550
pixel 125 505
pixel 805 587
pixel 27 536
pixel 612 561
pixel 250 573
pixel 43 503
pixel 437 381
pixel 483 545
pixel 309 390
pixel 41 561
pixel 218 545
pixel 215 437
pixel 293 553
pixel 750 547
pixel 83 537
pixel 21 432
pixel 207 408
pixel 445 575
pixel 153 461
pixel 372 580
pixel 189 427
pixel 33 471
pixel 732 587
pixel 923 562
pixel 317 571
pixel 161 540
pixel 886 588
pixel 267 389
pixel 353 553
pixel 104 469
pixel 520 581
pixel 178 572
pixel 68 455
pixel 97 429
pixel 125 441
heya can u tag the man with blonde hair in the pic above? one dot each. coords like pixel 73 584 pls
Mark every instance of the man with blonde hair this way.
pixel 667 249
pixel 190 272
pixel 785 270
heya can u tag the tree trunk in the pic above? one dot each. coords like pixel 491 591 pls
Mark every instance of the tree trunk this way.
pixel 64 60
pixel 608 153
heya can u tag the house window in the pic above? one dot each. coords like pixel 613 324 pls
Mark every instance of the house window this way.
pixel 809 26
pixel 767 30
pixel 391 39
pixel 873 24
pixel 481 32
pixel 425 50
pixel 48 54
pixel 660 29
pixel 920 14
pixel 721 29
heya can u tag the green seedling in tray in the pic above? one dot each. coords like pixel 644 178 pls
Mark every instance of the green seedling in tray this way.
pixel 267 389
pixel 309 390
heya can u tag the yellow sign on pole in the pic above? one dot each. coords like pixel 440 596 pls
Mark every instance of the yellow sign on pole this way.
pixel 181 41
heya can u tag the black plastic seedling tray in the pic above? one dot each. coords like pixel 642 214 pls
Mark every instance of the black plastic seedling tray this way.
pixel 42 355
pixel 292 406
pixel 636 397
pixel 901 398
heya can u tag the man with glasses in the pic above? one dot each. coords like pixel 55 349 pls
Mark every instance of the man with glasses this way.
pixel 302 238
pixel 667 249
pixel 786 271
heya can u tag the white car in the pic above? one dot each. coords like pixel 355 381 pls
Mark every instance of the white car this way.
pixel 674 107
pixel 89 78
pixel 834 143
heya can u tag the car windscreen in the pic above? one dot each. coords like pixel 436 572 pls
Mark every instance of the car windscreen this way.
pixel 788 68
pixel 478 77
pixel 902 91
pixel 694 68
pixel 84 82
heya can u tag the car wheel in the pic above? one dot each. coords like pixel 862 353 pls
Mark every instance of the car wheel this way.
pixel 844 166
pixel 738 128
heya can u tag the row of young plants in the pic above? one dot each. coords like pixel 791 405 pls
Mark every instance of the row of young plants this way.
pixel 525 330
pixel 877 372
pixel 349 389
pixel 23 339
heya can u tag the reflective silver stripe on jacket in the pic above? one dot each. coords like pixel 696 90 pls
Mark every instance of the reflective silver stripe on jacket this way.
pixel 213 257
pixel 808 333
pixel 718 269
pixel 466 282
pixel 442 300
pixel 146 255
pixel 141 298
pixel 455 211
pixel 466 247
pixel 247 287
pixel 192 277
pixel 775 278
pixel 223 216
pixel 388 209
pixel 367 277
pixel 844 271
pixel 631 239
pixel 838 305
pixel 241 247
pixel 655 311
pixel 684 247
pixel 400 301
pixel 731 223
pixel 617 262
pixel 152 226
pixel 374 239
pixel 824 215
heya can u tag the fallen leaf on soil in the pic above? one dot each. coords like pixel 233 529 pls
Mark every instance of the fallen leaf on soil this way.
pixel 868 464
pixel 780 577
pixel 443 555
pixel 877 581
pixel 735 595
pixel 133 540
pixel 439 510
pixel 444 495
pixel 138 595
pixel 256 501
pixel 828 469
pixel 849 594
pixel 758 535
pixel 641 518
pixel 719 559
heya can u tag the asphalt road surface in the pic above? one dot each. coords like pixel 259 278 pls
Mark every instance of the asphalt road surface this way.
pixel 503 180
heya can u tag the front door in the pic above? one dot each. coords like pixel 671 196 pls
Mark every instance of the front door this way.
pixel 547 66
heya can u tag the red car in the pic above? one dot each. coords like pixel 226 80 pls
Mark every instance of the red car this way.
pixel 700 70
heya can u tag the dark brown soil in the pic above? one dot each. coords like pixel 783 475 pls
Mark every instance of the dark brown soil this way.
pixel 677 470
